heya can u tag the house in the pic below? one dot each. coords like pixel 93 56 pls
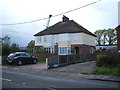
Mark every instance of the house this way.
pixel 66 37
pixel 118 37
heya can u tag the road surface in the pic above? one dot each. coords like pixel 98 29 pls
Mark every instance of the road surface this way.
pixel 17 77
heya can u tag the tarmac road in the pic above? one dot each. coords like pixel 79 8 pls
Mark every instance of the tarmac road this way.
pixel 23 78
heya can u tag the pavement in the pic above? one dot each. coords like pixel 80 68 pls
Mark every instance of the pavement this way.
pixel 73 71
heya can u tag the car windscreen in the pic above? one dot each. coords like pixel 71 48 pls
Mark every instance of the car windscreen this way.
pixel 12 55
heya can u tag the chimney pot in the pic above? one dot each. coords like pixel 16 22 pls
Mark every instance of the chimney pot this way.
pixel 65 19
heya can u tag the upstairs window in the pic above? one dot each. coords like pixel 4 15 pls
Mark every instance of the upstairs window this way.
pixel 48 38
pixel 64 37
pixel 39 39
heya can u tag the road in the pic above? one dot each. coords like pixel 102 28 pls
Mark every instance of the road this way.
pixel 17 77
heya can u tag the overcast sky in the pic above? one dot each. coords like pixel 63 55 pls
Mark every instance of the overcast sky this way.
pixel 102 15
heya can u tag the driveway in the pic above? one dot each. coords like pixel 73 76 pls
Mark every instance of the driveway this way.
pixel 77 68
pixel 73 68
pixel 41 66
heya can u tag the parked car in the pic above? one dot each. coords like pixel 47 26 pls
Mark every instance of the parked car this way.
pixel 20 58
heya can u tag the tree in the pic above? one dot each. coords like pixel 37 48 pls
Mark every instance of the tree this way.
pixel 40 51
pixel 99 34
pixel 31 44
pixel 5 49
pixel 106 36
pixel 111 36
pixel 14 48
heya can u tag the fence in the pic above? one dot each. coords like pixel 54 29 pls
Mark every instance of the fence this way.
pixel 0 60
pixel 42 57
pixel 61 60
pixel 4 60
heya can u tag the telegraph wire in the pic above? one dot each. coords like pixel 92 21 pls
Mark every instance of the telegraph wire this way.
pixel 53 15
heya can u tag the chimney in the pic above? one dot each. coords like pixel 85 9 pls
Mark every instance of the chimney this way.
pixel 65 19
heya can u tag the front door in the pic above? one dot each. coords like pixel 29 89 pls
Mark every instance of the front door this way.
pixel 76 50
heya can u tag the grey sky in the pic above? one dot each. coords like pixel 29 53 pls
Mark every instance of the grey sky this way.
pixel 102 15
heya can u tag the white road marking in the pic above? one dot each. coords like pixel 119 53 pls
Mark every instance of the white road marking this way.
pixel 15 68
pixel 6 79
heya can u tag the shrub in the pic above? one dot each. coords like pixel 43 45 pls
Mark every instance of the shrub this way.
pixel 102 59
pixel 41 51
pixel 107 58
pixel 5 49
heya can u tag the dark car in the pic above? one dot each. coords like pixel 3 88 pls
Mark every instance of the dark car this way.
pixel 20 58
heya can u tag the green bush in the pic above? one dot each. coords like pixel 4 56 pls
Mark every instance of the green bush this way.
pixel 108 63
pixel 107 59
pixel 41 51
pixel 103 59
pixel 5 49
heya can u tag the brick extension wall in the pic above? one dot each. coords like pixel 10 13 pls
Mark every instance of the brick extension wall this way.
pixel 83 49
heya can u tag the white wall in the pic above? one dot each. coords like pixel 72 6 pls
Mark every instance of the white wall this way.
pixel 72 39
pixel 88 39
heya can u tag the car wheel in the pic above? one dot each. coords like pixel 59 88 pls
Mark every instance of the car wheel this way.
pixel 19 63
pixel 34 61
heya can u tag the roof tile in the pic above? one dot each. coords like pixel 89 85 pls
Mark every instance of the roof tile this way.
pixel 64 27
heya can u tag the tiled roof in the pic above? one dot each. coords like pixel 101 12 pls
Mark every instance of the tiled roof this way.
pixel 69 26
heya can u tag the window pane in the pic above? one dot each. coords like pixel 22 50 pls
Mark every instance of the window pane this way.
pixel 64 37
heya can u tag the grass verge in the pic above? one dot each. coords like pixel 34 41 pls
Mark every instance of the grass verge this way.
pixel 107 70
pixel 41 62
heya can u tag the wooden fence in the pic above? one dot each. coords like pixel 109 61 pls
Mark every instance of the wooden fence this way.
pixel 61 60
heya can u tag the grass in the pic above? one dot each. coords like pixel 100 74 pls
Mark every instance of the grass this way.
pixel 107 70
pixel 84 73
pixel 41 62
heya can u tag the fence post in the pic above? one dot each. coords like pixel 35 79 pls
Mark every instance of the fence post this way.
pixel 0 59
pixel 74 58
pixel 58 61
pixel 67 59
pixel 46 63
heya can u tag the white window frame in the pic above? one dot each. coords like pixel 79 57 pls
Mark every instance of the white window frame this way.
pixel 64 37
pixel 64 50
